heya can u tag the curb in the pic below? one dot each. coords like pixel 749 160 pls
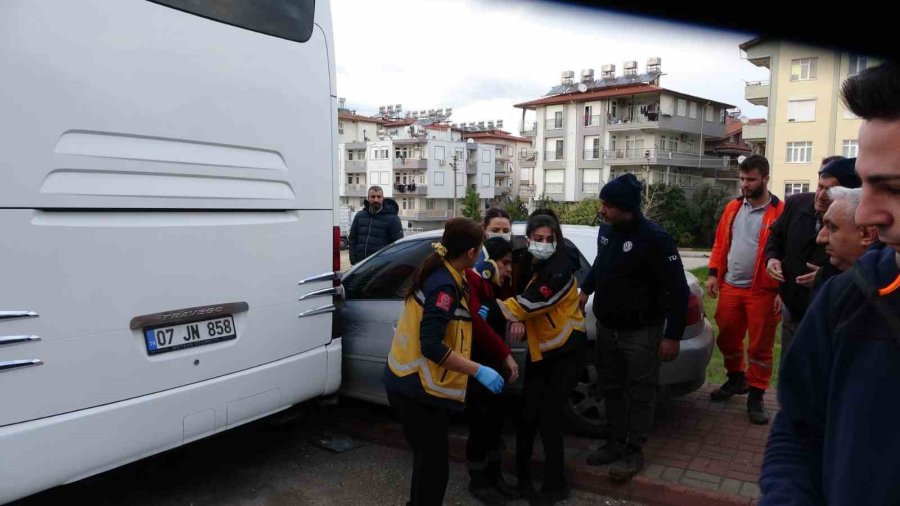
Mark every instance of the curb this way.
pixel 581 476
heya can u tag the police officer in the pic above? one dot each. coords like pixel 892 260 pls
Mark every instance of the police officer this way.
pixel 428 366
pixel 640 301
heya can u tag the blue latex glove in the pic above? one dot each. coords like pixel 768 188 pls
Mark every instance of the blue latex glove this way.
pixel 483 312
pixel 490 378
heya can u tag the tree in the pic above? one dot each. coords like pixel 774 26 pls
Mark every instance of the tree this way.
pixel 583 212
pixel 667 205
pixel 707 204
pixel 471 205
pixel 516 210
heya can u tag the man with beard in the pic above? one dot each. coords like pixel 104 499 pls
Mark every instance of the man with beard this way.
pixel 737 271
pixel 376 226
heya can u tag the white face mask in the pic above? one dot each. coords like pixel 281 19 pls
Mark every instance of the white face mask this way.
pixel 542 250
pixel 505 236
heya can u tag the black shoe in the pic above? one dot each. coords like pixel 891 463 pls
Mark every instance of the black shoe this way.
pixel 612 451
pixel 756 411
pixel 486 494
pixel 628 466
pixel 736 385
pixel 550 497
pixel 495 477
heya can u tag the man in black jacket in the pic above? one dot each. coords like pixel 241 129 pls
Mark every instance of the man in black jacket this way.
pixel 376 226
pixel 640 301
pixel 792 255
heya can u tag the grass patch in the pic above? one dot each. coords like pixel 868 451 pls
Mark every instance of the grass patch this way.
pixel 715 372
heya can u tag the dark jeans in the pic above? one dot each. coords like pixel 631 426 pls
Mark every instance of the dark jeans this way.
pixel 628 364
pixel 548 384
pixel 485 413
pixel 426 429
pixel 788 327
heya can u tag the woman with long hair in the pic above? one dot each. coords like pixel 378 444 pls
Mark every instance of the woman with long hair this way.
pixel 428 366
pixel 547 314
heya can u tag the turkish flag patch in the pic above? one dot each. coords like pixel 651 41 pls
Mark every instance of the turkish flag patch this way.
pixel 444 301
pixel 545 291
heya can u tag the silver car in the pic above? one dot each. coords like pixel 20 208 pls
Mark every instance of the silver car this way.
pixel 373 304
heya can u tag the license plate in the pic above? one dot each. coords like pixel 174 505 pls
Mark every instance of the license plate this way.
pixel 189 335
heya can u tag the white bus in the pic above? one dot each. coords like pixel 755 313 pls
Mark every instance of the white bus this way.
pixel 167 178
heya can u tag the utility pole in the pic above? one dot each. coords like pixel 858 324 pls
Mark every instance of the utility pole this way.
pixel 455 180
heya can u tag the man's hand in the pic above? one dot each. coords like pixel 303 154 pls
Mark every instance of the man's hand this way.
pixel 808 278
pixel 776 308
pixel 516 332
pixel 668 349
pixel 773 269
pixel 512 367
pixel 712 287
pixel 582 300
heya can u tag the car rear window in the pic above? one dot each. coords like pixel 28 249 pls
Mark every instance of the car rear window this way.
pixel 286 19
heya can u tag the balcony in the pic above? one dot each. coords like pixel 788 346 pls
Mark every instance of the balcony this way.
pixel 434 215
pixel 410 189
pixel 637 121
pixel 527 159
pixel 554 188
pixel 355 145
pixel 590 188
pixel 757 93
pixel 354 166
pixel 756 133
pixel 528 129
pixel 554 156
pixel 593 121
pixel 472 167
pixel 526 191
pixel 593 154
pixel 654 156
pixel 410 163
pixel 500 167
pixel 355 190
pixel 554 124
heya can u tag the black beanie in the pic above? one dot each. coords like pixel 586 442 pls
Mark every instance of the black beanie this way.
pixel 623 192
pixel 844 171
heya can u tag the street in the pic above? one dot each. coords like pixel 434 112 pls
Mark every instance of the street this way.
pixel 269 462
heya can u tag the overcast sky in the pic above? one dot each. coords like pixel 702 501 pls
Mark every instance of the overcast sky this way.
pixel 482 56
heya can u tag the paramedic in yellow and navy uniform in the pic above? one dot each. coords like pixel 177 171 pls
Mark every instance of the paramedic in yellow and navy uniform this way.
pixel 428 366
pixel 548 314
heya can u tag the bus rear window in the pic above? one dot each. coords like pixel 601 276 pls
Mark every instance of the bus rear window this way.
pixel 286 19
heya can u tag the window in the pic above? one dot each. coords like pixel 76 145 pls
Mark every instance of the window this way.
pixel 429 204
pixel 486 155
pixel 526 175
pixel 350 155
pixel 662 142
pixel 709 113
pixel 682 107
pixel 850 148
pixel 848 114
pixel 349 179
pixel 803 69
pixel 592 148
pixel 285 19
pixel 792 188
pixel 590 183
pixel 559 149
pixel 554 181
pixel 802 110
pixel 485 180
pixel 340 127
pixel 857 64
pixel 461 180
pixel 799 152
pixel 693 113
pixel 439 179
pixel 589 115
pixel 509 150
pixel 554 150
pixel 557 119
pixel 388 273
pixel 439 153
pixel 385 177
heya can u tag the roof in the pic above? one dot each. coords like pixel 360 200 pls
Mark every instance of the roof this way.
pixel 399 123
pixel 438 126
pixel 752 42
pixel 756 121
pixel 495 134
pixel 356 117
pixel 623 91
pixel 733 127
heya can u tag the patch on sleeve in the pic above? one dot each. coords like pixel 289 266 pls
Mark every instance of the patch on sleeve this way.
pixel 444 301
pixel 545 291
pixel 673 258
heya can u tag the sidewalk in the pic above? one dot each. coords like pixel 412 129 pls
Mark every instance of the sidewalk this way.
pixel 700 452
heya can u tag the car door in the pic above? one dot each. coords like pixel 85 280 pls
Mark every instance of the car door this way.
pixel 370 312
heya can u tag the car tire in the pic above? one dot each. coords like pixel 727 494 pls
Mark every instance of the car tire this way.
pixel 585 410
pixel 345 243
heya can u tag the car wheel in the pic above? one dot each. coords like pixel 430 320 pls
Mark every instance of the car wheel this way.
pixel 586 411
pixel 345 243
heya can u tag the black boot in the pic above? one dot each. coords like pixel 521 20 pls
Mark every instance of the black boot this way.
pixel 494 476
pixel 736 385
pixel 755 408
pixel 612 451
pixel 628 466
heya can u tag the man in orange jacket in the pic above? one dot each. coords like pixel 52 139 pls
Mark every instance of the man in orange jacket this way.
pixel 737 271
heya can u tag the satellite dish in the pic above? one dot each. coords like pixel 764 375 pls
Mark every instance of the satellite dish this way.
pixel 582 87
pixel 741 159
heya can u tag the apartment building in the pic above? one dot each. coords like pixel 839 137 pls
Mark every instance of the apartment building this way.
pixel 512 172
pixel 591 130
pixel 806 121
pixel 420 161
